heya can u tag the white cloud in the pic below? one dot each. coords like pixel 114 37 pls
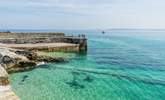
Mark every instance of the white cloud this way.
pixel 102 13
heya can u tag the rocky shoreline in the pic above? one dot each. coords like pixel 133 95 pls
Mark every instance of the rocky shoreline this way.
pixel 19 52
pixel 14 60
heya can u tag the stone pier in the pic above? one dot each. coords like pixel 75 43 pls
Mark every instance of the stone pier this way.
pixel 79 43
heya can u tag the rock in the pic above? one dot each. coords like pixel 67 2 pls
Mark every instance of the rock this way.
pixel 8 56
pixel 75 84
pixel 22 52
pixel 51 59
pixel 20 69
pixel 88 79
pixel 29 54
pixel 4 77
pixel 6 93
pixel 7 60
pixel 24 78
pixel 23 64
pixel 1 55
pixel 14 60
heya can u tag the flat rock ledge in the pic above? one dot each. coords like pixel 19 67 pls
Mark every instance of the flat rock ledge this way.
pixel 14 60
pixel 3 77
pixel 6 93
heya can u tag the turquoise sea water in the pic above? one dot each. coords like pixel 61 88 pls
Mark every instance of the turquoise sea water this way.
pixel 119 65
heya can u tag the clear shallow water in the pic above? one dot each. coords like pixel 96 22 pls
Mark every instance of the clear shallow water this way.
pixel 119 65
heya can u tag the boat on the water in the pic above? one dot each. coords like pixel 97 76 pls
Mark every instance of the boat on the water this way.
pixel 103 32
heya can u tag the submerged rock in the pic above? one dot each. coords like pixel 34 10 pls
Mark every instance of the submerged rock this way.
pixel 88 79
pixel 24 78
pixel 75 73
pixel 75 84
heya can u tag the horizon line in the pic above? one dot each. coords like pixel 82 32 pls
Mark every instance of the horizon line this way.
pixel 108 29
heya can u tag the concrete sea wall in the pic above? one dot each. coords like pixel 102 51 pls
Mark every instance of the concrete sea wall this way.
pixel 34 38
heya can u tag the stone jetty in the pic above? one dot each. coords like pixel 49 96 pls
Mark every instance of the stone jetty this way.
pixel 49 47
pixel 45 41
pixel 19 52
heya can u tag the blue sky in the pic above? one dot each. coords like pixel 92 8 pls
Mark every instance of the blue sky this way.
pixel 82 14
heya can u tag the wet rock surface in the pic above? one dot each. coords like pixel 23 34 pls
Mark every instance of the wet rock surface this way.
pixel 49 59
pixel 14 60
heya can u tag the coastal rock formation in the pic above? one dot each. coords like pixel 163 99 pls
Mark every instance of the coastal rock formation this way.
pixel 14 60
pixel 36 57
pixel 21 66
pixel 4 77
pixel 6 93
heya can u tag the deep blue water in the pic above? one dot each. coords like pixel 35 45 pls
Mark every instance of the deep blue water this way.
pixel 119 65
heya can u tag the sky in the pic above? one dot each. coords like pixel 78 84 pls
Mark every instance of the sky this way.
pixel 82 14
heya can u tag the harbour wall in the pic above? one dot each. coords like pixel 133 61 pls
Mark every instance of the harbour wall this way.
pixel 34 38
